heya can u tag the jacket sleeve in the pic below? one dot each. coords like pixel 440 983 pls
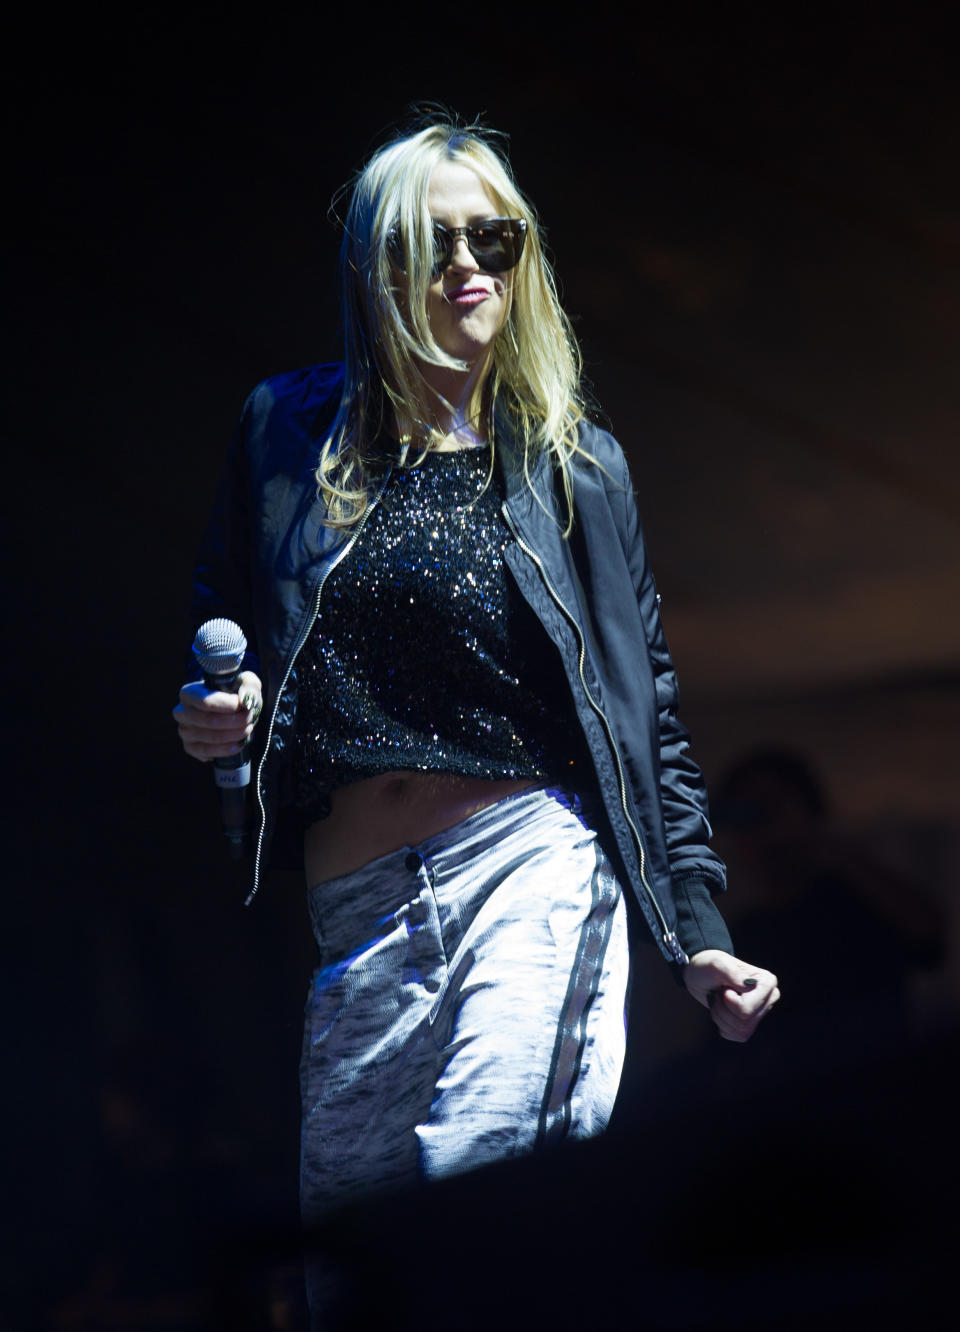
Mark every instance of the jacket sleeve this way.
pixel 222 586
pixel 697 872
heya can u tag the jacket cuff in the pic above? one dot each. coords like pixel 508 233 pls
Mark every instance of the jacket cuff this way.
pixel 699 922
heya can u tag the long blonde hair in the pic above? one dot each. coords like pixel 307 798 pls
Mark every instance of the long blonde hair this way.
pixel 535 375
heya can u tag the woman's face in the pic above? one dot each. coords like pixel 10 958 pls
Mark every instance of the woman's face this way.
pixel 466 306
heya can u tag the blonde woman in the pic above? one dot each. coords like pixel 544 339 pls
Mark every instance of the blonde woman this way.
pixel 467 697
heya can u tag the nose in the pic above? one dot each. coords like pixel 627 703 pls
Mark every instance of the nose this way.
pixel 462 257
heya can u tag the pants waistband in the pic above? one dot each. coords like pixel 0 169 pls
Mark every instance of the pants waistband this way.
pixel 378 889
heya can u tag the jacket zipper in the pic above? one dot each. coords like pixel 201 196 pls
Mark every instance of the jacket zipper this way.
pixel 302 636
pixel 669 937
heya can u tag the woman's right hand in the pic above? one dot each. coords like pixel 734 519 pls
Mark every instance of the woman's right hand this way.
pixel 213 724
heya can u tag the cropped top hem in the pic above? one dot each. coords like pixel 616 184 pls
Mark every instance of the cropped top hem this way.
pixel 321 808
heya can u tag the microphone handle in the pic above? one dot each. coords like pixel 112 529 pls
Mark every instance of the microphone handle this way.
pixel 232 777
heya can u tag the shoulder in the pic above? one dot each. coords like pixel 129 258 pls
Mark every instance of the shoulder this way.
pixel 603 487
pixel 601 457
pixel 599 443
pixel 286 415
pixel 308 395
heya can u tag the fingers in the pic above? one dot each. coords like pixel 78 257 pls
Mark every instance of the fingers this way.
pixel 738 994
pixel 214 724
pixel 737 1012
pixel 250 694
pixel 251 703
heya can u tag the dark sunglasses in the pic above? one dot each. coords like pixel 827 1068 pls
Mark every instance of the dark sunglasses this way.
pixel 496 244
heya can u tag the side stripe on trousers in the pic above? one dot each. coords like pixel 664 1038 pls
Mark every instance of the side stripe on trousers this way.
pixel 585 976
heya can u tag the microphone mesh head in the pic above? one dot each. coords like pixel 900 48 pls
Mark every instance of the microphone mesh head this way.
pixel 219 647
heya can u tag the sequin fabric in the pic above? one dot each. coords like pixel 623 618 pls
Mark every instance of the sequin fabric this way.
pixel 424 655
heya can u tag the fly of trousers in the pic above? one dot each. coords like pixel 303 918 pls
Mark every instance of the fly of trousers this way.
pixel 469 1005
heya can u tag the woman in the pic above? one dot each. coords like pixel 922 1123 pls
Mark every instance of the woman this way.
pixel 467 695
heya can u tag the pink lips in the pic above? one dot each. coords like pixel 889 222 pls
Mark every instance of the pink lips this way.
pixel 466 295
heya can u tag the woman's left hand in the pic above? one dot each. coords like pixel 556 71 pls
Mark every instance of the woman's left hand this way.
pixel 738 995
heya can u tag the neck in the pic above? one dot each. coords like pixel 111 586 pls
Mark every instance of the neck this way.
pixel 458 401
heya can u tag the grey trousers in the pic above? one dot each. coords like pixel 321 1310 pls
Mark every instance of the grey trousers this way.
pixel 469 1005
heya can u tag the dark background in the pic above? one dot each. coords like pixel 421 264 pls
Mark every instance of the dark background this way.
pixel 756 225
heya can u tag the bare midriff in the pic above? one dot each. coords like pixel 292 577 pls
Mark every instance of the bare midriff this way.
pixel 371 818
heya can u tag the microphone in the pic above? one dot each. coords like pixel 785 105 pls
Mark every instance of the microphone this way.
pixel 219 647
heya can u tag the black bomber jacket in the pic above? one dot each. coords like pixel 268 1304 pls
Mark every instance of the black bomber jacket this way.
pixel 267 553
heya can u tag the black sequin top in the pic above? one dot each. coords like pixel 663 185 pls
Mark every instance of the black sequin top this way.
pixel 425 655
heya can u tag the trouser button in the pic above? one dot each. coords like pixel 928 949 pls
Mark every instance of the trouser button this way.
pixel 414 861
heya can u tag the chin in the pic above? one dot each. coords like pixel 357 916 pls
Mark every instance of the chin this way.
pixel 472 352
pixel 469 348
pixel 471 338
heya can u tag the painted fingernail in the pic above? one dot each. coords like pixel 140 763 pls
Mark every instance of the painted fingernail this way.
pixel 750 983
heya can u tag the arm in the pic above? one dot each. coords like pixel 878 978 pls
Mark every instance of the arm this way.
pixel 213 724
pixel 697 872
pixel 222 572
pixel 738 994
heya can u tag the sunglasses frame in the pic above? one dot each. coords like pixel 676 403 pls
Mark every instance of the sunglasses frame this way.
pixel 513 234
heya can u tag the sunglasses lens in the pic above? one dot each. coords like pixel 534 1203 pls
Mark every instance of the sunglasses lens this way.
pixel 491 244
pixel 443 245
